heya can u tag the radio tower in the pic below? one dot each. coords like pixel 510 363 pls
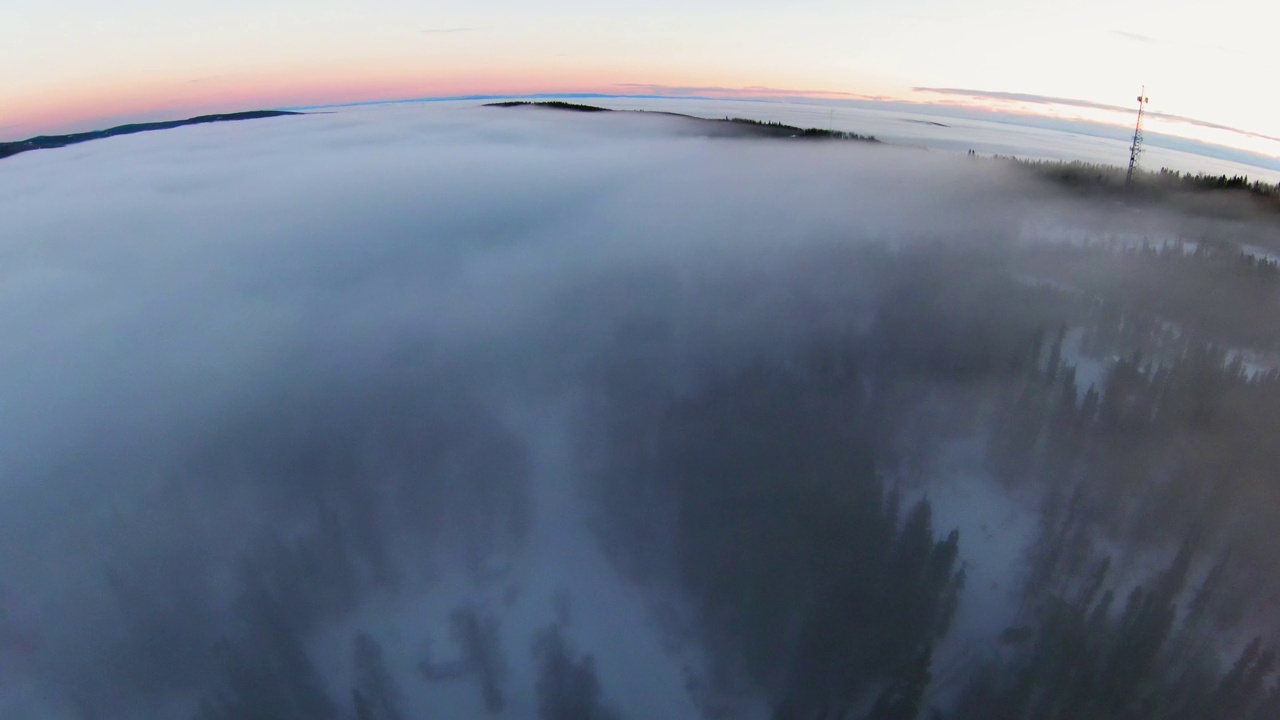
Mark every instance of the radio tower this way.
pixel 1136 148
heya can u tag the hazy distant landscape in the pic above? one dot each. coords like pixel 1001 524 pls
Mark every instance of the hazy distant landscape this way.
pixel 934 128
pixel 435 410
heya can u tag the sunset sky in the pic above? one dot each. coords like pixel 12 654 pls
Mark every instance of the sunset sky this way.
pixel 80 64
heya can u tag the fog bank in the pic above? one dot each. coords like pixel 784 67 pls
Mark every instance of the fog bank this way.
pixel 436 377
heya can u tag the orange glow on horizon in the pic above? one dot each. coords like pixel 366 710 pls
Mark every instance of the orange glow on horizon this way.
pixel 88 106
pixel 81 108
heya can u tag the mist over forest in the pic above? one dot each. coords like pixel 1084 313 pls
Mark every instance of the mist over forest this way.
pixel 408 413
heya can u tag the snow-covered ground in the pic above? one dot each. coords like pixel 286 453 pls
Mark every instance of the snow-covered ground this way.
pixel 1047 228
pixel 995 531
pixel 562 565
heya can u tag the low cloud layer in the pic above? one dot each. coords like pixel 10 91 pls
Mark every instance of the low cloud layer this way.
pixel 433 340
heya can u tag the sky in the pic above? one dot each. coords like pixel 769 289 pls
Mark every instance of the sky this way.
pixel 69 65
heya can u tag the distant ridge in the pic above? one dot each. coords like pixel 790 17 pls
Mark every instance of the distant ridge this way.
pixel 45 142
pixel 550 104
pixel 734 127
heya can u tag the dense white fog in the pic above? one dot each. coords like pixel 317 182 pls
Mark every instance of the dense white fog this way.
pixel 218 337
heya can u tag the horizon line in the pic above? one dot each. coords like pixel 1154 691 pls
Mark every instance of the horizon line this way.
pixel 1243 156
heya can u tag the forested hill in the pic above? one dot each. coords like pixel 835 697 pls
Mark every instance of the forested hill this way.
pixel 42 142
pixel 1217 195
pixel 1213 195
pixel 719 127
pixel 550 105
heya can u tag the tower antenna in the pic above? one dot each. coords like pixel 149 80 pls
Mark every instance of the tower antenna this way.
pixel 1136 148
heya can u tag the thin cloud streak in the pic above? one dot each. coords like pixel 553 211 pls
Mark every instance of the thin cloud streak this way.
pixel 1135 37
pixel 745 91
pixel 1088 104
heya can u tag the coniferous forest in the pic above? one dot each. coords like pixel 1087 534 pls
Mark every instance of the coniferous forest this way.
pixel 775 513
pixel 824 458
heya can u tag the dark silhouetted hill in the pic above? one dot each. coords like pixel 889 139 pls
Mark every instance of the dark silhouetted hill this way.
pixel 717 127
pixel 551 105
pixel 43 142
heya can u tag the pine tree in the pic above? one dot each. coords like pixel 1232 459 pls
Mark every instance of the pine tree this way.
pixel 363 711
pixel 568 688
pixel 374 684
pixel 904 695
